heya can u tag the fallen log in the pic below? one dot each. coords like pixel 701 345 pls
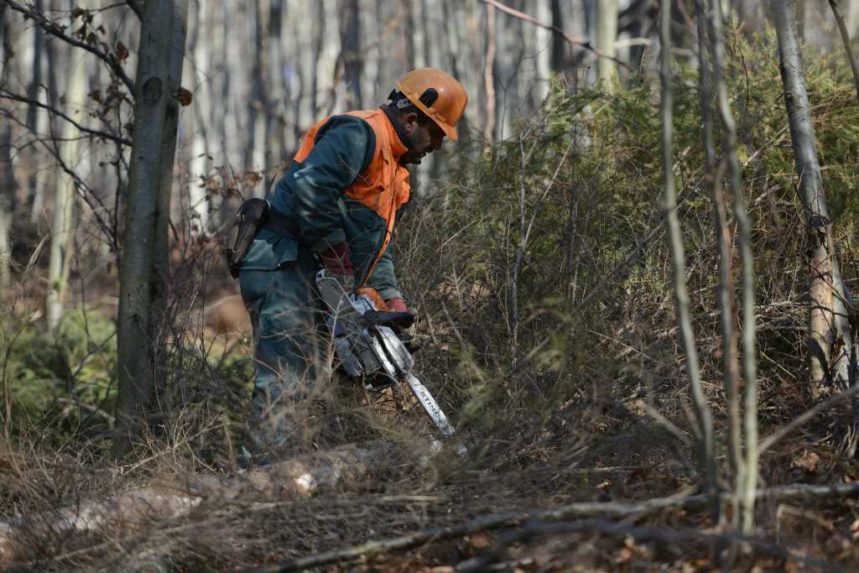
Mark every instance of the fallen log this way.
pixel 132 510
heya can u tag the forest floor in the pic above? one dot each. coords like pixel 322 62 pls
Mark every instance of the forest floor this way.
pixel 498 500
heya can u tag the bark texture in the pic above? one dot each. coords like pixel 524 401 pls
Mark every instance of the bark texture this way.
pixel 830 339
pixel 144 256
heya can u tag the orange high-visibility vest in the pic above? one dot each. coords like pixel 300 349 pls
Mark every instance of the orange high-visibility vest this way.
pixel 383 186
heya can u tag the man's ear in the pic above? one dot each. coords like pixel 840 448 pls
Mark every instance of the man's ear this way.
pixel 410 121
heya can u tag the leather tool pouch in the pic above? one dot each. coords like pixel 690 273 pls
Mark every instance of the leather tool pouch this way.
pixel 249 219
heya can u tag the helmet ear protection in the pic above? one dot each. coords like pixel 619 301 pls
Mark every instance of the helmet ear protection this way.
pixel 428 97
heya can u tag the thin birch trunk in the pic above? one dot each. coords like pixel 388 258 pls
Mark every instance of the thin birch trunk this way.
pixel 845 38
pixel 7 176
pixel 272 95
pixel 409 33
pixel 62 226
pixel 559 45
pixel 318 30
pixel 489 75
pixel 258 104
pixel 725 291
pixel 678 261
pixel 141 273
pixel 744 231
pixel 830 335
pixel 200 151
pixel 606 33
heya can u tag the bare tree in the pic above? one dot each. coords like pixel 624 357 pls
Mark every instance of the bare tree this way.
pixel 62 227
pixel 678 261
pixel 748 471
pixel 830 339
pixel 142 271
pixel 724 239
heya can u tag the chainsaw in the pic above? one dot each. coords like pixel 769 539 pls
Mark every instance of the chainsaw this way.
pixel 369 348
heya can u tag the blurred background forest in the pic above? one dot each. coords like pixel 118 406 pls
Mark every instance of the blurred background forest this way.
pixel 534 254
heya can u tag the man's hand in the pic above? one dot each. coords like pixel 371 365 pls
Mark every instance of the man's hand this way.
pixel 397 305
pixel 337 261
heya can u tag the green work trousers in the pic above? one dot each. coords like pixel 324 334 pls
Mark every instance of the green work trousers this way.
pixel 288 333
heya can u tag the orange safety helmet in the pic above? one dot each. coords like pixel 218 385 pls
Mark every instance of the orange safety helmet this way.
pixel 437 94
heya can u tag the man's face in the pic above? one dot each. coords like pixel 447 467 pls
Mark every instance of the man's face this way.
pixel 424 138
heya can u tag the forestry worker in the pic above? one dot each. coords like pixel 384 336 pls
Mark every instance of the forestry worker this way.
pixel 335 207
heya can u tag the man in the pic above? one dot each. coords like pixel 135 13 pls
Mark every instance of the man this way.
pixel 336 207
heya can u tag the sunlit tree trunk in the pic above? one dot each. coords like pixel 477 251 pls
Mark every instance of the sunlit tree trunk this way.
pixel 258 104
pixel 200 150
pixel 606 35
pixel 489 74
pixel 62 226
pixel 142 271
pixel 830 338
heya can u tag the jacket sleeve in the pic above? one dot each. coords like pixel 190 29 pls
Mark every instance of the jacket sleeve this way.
pixel 343 148
pixel 383 279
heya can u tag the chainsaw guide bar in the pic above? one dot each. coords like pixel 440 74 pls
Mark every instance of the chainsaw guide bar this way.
pixel 370 350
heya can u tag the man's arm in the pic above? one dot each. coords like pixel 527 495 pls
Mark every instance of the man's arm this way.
pixel 343 149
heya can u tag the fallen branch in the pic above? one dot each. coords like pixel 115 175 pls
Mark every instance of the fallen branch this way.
pixel 567 512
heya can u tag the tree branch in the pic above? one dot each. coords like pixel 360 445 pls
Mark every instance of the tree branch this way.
pixel 584 44
pixel 5 94
pixel 58 31
pixel 575 510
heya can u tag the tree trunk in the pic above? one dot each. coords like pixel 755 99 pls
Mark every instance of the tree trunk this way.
pixel 845 38
pixel 830 338
pixel 200 151
pixel 7 176
pixel 350 51
pixel 142 272
pixel 725 291
pixel 678 262
pixel 749 471
pixel 559 45
pixel 489 75
pixel 606 37
pixel 62 227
